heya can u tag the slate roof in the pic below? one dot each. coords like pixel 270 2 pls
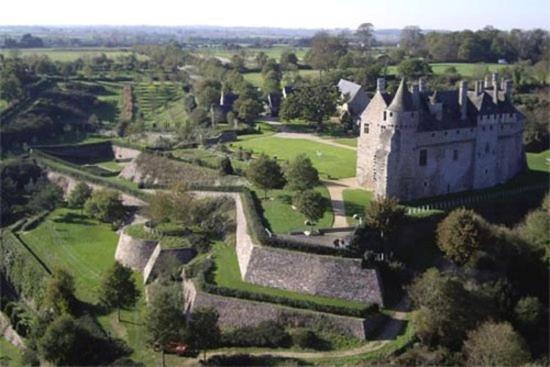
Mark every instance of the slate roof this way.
pixel 348 87
pixel 402 101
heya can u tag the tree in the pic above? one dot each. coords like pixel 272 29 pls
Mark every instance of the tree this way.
pixel 445 310
pixel 288 60
pixel 365 35
pixel 204 331
pixel 45 196
pixel 315 102
pixel 311 204
pixel 414 68
pixel 225 166
pixel 105 205
pixel 61 343
pixel 79 195
pixel 495 344
pixel 248 105
pixel 300 174
pixel 535 229
pixel 261 59
pixel 461 234
pixel 412 40
pixel 265 173
pixel 60 292
pixel 118 289
pixel 528 313
pixel 384 215
pixel 325 51
pixel 164 320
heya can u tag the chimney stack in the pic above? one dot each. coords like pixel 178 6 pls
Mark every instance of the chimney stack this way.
pixel 487 82
pixel 381 85
pixel 477 87
pixel 421 85
pixel 495 88
pixel 463 99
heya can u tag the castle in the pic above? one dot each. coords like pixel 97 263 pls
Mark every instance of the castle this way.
pixel 419 143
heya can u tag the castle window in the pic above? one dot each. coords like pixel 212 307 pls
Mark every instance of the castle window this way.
pixel 433 134
pixel 385 115
pixel 366 128
pixel 458 131
pixel 455 155
pixel 486 171
pixel 423 158
pixel 483 128
pixel 391 114
pixel 487 148
pixel 491 127
pixel 445 133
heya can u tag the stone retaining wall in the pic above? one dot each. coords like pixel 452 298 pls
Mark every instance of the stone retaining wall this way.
pixel 123 153
pixel 133 252
pixel 162 258
pixel 237 313
pixel 9 333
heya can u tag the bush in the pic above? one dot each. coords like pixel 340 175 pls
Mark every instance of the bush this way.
pixel 305 338
pixel 266 334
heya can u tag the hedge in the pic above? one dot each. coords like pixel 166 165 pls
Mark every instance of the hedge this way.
pixel 22 268
pixel 33 221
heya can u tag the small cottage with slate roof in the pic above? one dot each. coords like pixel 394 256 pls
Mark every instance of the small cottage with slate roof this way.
pixel 419 143
pixel 356 99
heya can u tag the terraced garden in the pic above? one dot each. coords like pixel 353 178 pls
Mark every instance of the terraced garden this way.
pixel 152 96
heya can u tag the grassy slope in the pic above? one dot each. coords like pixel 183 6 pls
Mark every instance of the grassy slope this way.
pixel 256 77
pixel 77 243
pixel 282 218
pixel 9 354
pixel 329 160
pixel 227 274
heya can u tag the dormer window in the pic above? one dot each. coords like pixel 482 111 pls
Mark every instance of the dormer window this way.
pixel 366 128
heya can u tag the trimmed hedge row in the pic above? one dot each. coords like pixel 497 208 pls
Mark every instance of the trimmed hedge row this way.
pixel 34 221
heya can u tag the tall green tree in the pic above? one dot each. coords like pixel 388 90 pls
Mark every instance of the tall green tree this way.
pixel 311 204
pixel 461 234
pixel 300 174
pixel 265 173
pixel 61 344
pixel 164 319
pixel 118 288
pixel 495 344
pixel 204 332
pixel 79 195
pixel 325 51
pixel 315 102
pixel 105 205
pixel 365 35
pixel 384 215
pixel 60 292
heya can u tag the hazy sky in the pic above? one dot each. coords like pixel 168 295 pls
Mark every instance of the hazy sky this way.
pixel 434 14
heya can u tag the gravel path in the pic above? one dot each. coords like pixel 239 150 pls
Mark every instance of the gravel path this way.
pixel 308 136
pixel 336 190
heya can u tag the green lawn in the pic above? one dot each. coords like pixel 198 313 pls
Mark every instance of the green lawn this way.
pixel 256 77
pixel 355 202
pixel 333 162
pixel 227 274
pixel 539 161
pixel 9 354
pixel 71 54
pixel 351 142
pixel 282 218
pixel 82 245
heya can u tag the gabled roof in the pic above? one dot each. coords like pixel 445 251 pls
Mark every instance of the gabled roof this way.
pixel 402 102
pixel 348 87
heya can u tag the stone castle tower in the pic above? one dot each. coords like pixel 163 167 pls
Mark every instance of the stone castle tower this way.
pixel 419 143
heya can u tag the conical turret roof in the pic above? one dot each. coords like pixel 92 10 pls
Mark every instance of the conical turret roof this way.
pixel 402 101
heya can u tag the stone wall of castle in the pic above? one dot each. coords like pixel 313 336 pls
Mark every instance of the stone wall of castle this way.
pixel 237 313
pixel 134 252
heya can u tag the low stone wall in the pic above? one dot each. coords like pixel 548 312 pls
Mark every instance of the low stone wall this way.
pixel 9 333
pixel 162 258
pixel 123 153
pixel 133 252
pixel 303 272
pixel 237 313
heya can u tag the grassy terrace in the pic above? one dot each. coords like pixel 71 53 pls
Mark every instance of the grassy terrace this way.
pixel 227 274
pixel 355 202
pixel 280 216
pixel 9 354
pixel 76 242
pixel 331 161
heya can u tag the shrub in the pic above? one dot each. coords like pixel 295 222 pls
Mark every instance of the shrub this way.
pixel 266 334
pixel 105 205
pixel 305 338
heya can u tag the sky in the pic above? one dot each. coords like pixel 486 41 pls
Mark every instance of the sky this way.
pixel 428 14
